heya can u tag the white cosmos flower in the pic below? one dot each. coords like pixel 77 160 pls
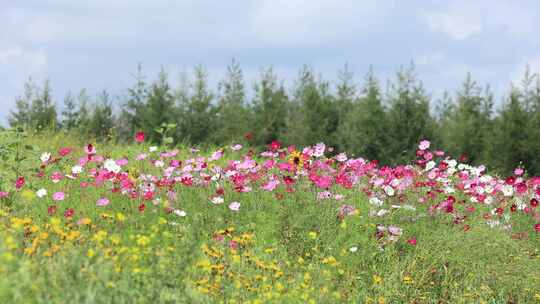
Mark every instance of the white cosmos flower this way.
pixel 389 190
pixel 152 149
pixel 41 193
pixel 76 169
pixel 111 165
pixel 430 165
pixel 507 190
pixel 353 249
pixel 45 157
pixel 375 201
pixel 180 213
pixel 217 200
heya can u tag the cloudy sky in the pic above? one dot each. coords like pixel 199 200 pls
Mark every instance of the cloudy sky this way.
pixel 97 44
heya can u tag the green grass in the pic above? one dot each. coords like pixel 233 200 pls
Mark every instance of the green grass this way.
pixel 293 250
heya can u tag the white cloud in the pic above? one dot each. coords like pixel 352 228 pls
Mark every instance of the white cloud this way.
pixel 462 19
pixel 315 22
pixel 17 55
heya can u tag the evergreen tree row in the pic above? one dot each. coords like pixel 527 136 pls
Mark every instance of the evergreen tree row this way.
pixel 368 120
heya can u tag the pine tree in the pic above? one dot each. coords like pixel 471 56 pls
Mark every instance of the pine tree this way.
pixel 344 102
pixel 101 122
pixel 43 109
pixel 232 115
pixel 22 115
pixel 199 114
pixel 312 118
pixel 83 119
pixel 131 115
pixel 70 114
pixel 364 130
pixel 511 142
pixel 408 116
pixel 159 109
pixel 466 124
pixel 269 108
pixel 531 89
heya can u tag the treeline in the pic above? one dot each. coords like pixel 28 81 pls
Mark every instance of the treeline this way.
pixel 366 119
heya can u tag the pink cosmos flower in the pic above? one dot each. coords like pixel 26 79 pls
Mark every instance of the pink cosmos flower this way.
pixel 270 185
pixel 64 151
pixel 141 156
pixel 424 145
pixel 59 196
pixel 56 177
pixel 519 171
pixel 3 194
pixel 234 206
pixel 395 230
pixel 323 182
pixel 102 202
pixel 139 137
pixel 122 162
pixel 412 241
pixel 236 147
pixel 90 149
pixel 216 155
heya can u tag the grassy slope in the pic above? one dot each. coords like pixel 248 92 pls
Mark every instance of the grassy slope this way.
pixel 293 250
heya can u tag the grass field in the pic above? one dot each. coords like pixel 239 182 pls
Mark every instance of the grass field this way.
pixel 138 224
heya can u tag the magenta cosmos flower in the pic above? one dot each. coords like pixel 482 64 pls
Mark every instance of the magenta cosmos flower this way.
pixel 139 137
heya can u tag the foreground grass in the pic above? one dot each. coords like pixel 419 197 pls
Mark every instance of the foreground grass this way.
pixel 292 249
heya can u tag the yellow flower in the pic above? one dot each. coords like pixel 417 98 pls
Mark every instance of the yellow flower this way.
pixel 296 159
pixel 120 217
pixel 312 235
pixel 408 280
pixel 86 221
pixel 115 239
pixel 100 236
pixel 377 279
pixel 90 253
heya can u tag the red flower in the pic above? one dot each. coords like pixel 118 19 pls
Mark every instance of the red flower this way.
pixel 69 212
pixel 220 191
pixel 142 207
pixel 139 137
pixel 19 183
pixel 510 180
pixel 534 203
pixel 274 145
pixel 412 241
pixel 51 210
pixel 288 180
pixel 537 227
pixel 64 151
pixel 513 208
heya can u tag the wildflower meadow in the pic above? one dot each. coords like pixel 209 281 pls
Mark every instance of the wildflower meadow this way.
pixel 137 223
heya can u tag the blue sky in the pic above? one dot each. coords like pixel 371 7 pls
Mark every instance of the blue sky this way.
pixel 96 44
